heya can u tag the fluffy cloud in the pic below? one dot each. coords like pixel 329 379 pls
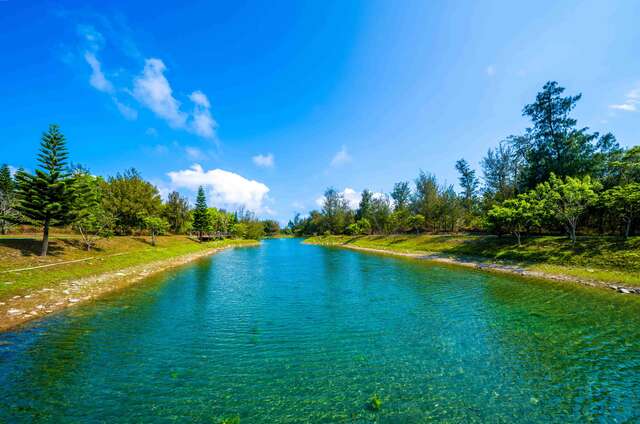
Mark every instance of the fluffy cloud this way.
pixel 152 89
pixel 631 102
pixel 226 189
pixel 341 158
pixel 97 78
pixel 265 161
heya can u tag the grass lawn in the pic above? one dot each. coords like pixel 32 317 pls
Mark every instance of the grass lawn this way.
pixel 18 252
pixel 607 259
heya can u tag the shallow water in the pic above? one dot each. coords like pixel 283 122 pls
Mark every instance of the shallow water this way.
pixel 287 332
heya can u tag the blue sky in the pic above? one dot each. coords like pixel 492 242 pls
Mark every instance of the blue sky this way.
pixel 269 103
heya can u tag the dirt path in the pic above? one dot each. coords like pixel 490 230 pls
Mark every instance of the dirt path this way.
pixel 38 303
pixel 505 269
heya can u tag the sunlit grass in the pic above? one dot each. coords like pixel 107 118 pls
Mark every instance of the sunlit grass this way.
pixel 608 259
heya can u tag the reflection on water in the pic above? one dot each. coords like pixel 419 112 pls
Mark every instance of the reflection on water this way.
pixel 293 333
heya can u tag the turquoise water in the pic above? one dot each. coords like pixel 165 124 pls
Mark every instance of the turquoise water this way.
pixel 287 332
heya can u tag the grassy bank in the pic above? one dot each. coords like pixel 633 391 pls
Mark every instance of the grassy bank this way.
pixel 605 259
pixel 19 258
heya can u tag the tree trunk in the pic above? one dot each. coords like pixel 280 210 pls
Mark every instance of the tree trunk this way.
pixel 153 238
pixel 572 233
pixel 45 238
pixel 627 227
pixel 517 233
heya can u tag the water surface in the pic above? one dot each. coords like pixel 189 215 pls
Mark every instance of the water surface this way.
pixel 287 332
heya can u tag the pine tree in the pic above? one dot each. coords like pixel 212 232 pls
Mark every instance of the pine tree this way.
pixel 48 195
pixel 201 221
pixel 8 214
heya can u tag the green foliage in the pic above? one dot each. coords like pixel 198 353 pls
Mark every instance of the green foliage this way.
pixel 92 221
pixel 624 203
pixel 201 219
pixel 176 212
pixel 362 226
pixel 335 211
pixel 129 198
pixel 156 226
pixel 401 195
pixel 271 227
pixel 231 420
pixel 8 213
pixel 468 182
pixel 568 199
pixel 47 196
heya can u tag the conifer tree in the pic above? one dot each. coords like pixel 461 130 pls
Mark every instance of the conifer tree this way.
pixel 47 196
pixel 8 214
pixel 201 222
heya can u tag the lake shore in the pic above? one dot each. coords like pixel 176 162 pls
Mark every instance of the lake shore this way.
pixel 480 263
pixel 38 302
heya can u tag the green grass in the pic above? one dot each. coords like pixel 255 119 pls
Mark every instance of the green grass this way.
pixel 113 254
pixel 607 259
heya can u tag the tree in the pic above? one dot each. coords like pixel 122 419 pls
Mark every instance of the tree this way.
pixel 201 221
pixel 271 227
pixel 8 213
pixel 176 212
pixel 624 201
pixel 416 222
pixel 92 221
pixel 335 211
pixel 129 198
pixel 499 167
pixel 156 226
pixel 401 195
pixel 426 201
pixel 516 215
pixel 568 199
pixel 365 206
pixel 47 196
pixel 468 182
pixel 556 145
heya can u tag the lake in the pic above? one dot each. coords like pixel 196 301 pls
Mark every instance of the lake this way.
pixel 288 332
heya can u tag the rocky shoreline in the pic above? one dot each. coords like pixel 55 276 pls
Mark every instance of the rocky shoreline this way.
pixel 493 267
pixel 36 304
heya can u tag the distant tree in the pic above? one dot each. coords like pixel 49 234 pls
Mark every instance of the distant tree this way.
pixel 468 182
pixel 624 202
pixel 450 209
pixel 176 212
pixel 426 200
pixel 499 167
pixel 365 206
pixel 362 226
pixel 417 222
pixel 401 195
pixel 129 198
pixel 47 196
pixel 8 213
pixel 239 230
pixel 556 145
pixel 271 227
pixel 516 215
pixel 568 199
pixel 335 212
pixel 156 226
pixel 92 221
pixel 201 218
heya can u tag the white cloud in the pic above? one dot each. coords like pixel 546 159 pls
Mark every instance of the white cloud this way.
pixel 152 89
pixel 226 189
pixel 97 79
pixel 266 161
pixel 128 112
pixel 631 102
pixel 194 153
pixel 341 157
pixel 352 197
pixel 200 99
pixel 490 70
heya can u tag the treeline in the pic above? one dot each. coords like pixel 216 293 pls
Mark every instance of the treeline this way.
pixel 555 177
pixel 64 195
